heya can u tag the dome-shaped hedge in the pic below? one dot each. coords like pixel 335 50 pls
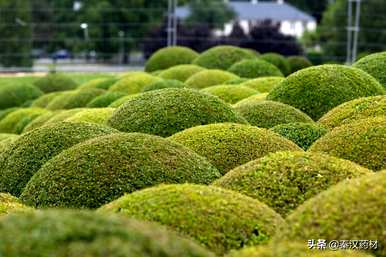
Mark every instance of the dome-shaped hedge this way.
pixel 101 83
pixel 363 142
pixel 169 83
pixel 168 111
pixel 374 65
pixel 228 145
pixel 100 170
pixel 62 115
pixel 264 84
pixel 30 151
pixel 81 97
pixel 301 133
pixel 5 112
pixel 222 57
pixel 316 90
pixel 18 94
pixel 9 124
pixel 217 218
pixel 237 81
pixel 45 99
pixel 267 114
pixel 133 84
pixel 254 68
pixel 39 121
pixel 230 93
pixel 284 180
pixel 73 233
pixel 354 110
pixel 122 100
pixel 352 209
pixel 279 61
pixel 6 141
pixel 11 204
pixel 207 78
pixel 60 100
pixel 105 100
pixel 298 63
pixel 181 72
pixel 55 82
pixel 94 115
pixel 251 100
pixel 170 56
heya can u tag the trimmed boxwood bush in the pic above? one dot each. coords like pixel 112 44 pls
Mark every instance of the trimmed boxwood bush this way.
pixel 55 82
pixel 44 100
pixel 30 151
pixel 254 68
pixel 230 93
pixel 278 60
pixel 4 136
pixel 251 99
pixel 263 85
pixel 267 114
pixel 298 63
pixel 18 94
pixel 122 100
pixel 181 72
pixel 301 133
pixel 80 98
pixel 316 90
pixel 58 102
pixel 352 209
pixel 10 122
pixel 105 100
pixel 169 83
pixel 74 233
pixel 95 115
pixel 5 112
pixel 100 170
pixel 363 142
pixel 237 81
pixel 168 111
pixel 170 56
pixel 62 115
pixel 11 204
pixel 101 83
pixel 133 84
pixel 222 57
pixel 207 78
pixel 39 121
pixel 229 145
pixel 217 218
pixel 284 180
pixel 354 110
pixel 7 141
pixel 374 65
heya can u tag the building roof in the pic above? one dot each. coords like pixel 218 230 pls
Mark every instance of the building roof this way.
pixel 260 11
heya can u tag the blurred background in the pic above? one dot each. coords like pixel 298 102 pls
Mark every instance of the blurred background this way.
pixel 117 35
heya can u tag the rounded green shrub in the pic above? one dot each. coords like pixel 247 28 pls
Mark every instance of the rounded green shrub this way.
pixel 219 219
pixel 101 83
pixel 168 111
pixel 251 99
pixel 354 110
pixel 267 114
pixel 237 81
pixel 5 142
pixel 5 112
pixel 229 145
pixel 222 57
pixel 18 94
pixel 74 233
pixel 55 82
pixel 132 73
pixel 207 78
pixel 11 204
pixel 45 99
pixel 279 61
pixel 284 180
pixel 352 209
pixel 105 100
pixel 264 84
pixel 94 115
pixel 98 171
pixel 133 84
pixel 316 90
pixel 163 84
pixel 170 56
pixel 301 133
pixel 298 63
pixel 230 93
pixel 30 151
pixel 4 136
pixel 62 115
pixel 122 100
pixel 58 102
pixel 10 122
pixel 254 68
pixel 363 142
pixel 39 121
pixel 81 97
pixel 180 72
pixel 373 64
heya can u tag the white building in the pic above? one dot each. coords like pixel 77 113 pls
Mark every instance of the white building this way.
pixel 292 21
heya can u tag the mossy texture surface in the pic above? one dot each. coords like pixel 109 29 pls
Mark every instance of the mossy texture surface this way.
pixel 18 94
pixel 105 100
pixel 228 145
pixel 55 82
pixel 11 204
pixel 263 85
pixel 133 84
pixel 374 65
pixel 101 83
pixel 167 83
pixel 5 142
pixel 298 63
pixel 254 68
pixel 278 60
pixel 251 100
pixel 181 72
pixel 94 115
pixel 58 102
pixel 39 121
pixel 217 218
pixel 75 99
pixel 122 100
pixel 86 175
pixel 317 90
pixel 168 111
pixel 207 78
pixel 284 180
pixel 9 124
pixel 30 151
pixel 230 93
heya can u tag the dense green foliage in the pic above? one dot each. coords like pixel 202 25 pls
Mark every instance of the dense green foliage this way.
pixel 133 84
pixel 101 83
pixel 45 99
pixel 105 99
pixel 374 65
pixel 207 78
pixel 279 61
pixel 263 85
pixel 94 115
pixel 251 100
pixel 254 68
pixel 230 93
pixel 298 63
pixel 122 100
pixel 168 83
pixel 15 121
pixel 170 56
pixel 180 72
pixel 18 94
pixel 10 204
pixel 55 82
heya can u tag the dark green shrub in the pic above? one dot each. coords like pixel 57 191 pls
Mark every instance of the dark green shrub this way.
pixel 207 78
pixel 352 209
pixel 45 99
pixel 10 124
pixel 10 204
pixel 230 93
pixel 217 218
pixel 30 151
pixel 18 94
pixel 163 84
pixel 279 61
pixel 55 82
pixel 298 63
pixel 316 90
pixel 264 84
pixel 94 115
pixel 254 68
pixel 168 111
pixel 170 56
pixel 180 72
pixel 105 100
pixel 363 142
pixel 133 84
pixel 301 133
pixel 222 57
pixel 74 233
pixel 284 180
pixel 374 65
pixel 267 114
pixel 98 171
pixel 101 83
pixel 229 145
